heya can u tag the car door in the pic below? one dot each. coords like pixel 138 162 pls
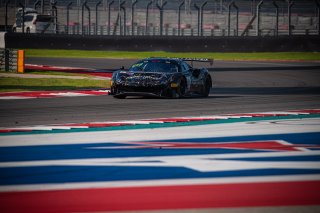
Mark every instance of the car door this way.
pixel 196 77
pixel 187 72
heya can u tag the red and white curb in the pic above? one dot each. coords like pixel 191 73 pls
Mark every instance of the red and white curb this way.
pixel 104 124
pixel 51 94
pixel 69 70
pixel 53 68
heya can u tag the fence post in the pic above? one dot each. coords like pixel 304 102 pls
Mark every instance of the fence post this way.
pixel 89 13
pixel 6 15
pixel 82 17
pixel 179 17
pixel 123 28
pixel 290 4
pixel 161 15
pixel 147 18
pixel 42 6
pixel 96 25
pixel 23 9
pixel 55 15
pixel 201 19
pixel 198 9
pixel 277 18
pixel 109 15
pixel 132 16
pixel 237 18
pixel 68 16
pixel 318 13
pixel 232 3
pixel 258 17
pixel 229 17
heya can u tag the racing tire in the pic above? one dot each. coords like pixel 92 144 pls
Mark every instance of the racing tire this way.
pixel 207 87
pixel 181 90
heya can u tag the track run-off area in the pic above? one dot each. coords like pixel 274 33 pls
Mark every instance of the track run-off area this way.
pixel 252 146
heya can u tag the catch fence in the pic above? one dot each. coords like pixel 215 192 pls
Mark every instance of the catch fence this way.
pixel 176 17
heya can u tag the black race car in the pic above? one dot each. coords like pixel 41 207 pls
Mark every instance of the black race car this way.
pixel 162 77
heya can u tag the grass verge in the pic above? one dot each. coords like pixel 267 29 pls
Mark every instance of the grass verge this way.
pixel 11 84
pixel 307 56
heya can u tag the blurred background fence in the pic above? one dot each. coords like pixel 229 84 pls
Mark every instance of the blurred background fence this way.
pixel 173 17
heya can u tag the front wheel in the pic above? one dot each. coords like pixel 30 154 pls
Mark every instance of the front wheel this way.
pixel 180 91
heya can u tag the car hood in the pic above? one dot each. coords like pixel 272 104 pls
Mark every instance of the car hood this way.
pixel 142 78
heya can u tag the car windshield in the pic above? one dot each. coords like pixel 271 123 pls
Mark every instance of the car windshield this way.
pixel 154 66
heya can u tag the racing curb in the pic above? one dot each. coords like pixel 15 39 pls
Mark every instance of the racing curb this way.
pixel 52 94
pixel 161 122
pixel 100 73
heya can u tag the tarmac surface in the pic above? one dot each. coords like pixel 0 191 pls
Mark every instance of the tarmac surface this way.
pixel 72 163
pixel 237 87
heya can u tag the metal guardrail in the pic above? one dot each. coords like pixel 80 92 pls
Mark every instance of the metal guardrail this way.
pixel 12 60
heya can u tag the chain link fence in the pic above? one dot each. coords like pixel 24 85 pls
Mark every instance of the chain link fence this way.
pixel 175 17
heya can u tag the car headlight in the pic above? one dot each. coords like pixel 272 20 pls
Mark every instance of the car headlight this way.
pixel 173 85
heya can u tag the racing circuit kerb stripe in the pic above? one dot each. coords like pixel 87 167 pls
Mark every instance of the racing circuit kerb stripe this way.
pixel 161 122
pixel 164 197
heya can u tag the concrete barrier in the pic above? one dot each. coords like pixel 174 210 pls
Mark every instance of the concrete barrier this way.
pixel 164 43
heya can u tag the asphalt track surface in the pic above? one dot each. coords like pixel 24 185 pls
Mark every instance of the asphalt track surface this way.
pixel 237 87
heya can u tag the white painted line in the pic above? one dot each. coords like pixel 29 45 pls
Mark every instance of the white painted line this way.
pixel 284 113
pixel 68 94
pixel 14 97
pixel 78 127
pixel 165 182
pixel 167 133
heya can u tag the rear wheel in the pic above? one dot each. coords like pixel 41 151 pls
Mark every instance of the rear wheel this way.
pixel 207 87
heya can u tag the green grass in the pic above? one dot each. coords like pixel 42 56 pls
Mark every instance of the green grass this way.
pixel 32 84
pixel 139 55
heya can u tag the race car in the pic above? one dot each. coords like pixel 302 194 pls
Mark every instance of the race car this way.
pixel 162 77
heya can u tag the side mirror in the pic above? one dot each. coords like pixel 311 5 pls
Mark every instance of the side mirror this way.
pixel 196 72
pixel 122 68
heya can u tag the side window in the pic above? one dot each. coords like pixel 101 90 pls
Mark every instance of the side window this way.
pixel 185 67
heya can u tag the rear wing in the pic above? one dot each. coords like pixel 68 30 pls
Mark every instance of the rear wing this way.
pixel 208 60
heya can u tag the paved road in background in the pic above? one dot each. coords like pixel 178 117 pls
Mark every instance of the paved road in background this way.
pixel 238 87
